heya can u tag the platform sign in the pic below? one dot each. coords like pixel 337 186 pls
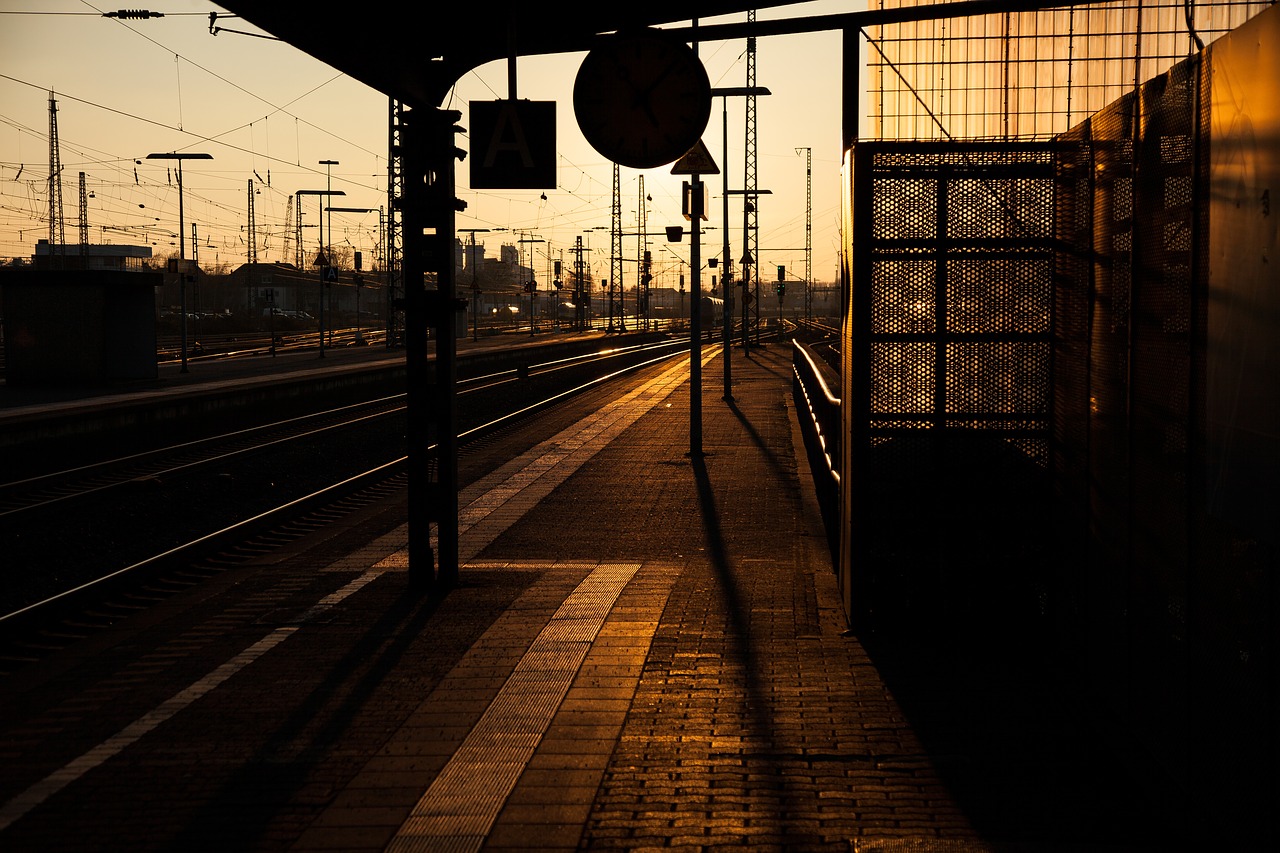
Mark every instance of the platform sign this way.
pixel 696 161
pixel 513 145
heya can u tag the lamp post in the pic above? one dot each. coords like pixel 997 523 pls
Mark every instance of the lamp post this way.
pixel 328 185
pixel 182 253
pixel 321 260
pixel 725 275
pixel 475 285
pixel 533 281
pixel 358 278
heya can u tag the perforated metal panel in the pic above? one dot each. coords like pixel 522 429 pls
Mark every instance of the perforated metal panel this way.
pixel 958 310
pixel 952 314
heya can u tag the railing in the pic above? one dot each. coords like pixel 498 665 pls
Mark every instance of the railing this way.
pixel 819 412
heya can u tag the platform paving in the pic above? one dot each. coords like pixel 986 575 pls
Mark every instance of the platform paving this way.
pixel 659 660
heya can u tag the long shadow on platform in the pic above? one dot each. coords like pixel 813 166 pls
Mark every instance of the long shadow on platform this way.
pixel 957 550
pixel 770 782
pixel 269 782
pixel 1029 758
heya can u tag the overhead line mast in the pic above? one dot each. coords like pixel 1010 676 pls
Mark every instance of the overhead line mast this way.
pixel 84 217
pixel 615 252
pixel 808 231
pixel 751 228
pixel 288 228
pixel 57 227
pixel 253 228
pixel 642 268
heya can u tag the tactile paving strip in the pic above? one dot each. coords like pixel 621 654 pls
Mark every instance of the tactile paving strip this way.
pixel 457 811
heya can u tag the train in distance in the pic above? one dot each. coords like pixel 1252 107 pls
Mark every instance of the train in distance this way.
pixel 712 312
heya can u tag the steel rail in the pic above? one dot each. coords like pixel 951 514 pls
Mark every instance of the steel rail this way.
pixel 142 469
pixel 26 618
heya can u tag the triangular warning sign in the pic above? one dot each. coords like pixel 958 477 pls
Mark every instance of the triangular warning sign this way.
pixel 696 161
pixel 321 260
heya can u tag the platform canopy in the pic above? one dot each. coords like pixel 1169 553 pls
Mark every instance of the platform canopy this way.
pixel 415 52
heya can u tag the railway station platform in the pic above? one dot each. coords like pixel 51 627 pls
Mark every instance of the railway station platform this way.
pixel 645 651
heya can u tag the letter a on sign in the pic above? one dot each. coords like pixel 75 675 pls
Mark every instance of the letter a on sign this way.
pixel 513 145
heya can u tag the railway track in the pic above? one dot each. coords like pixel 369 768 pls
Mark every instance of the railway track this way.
pixel 87 546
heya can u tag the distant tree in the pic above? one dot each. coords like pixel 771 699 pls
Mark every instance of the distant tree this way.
pixel 342 257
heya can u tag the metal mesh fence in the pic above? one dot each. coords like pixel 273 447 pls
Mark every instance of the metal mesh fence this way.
pixel 1056 407
pixel 1028 75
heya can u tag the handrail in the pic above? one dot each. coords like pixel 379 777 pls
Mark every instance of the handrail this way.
pixel 820 423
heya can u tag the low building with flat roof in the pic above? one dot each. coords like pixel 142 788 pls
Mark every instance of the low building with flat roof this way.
pixel 89 256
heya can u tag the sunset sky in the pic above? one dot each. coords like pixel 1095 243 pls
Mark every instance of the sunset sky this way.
pixel 267 112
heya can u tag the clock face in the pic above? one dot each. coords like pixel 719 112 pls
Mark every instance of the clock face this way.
pixel 642 99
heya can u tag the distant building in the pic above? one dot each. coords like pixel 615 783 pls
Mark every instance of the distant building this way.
pixel 459 259
pixel 284 287
pixel 473 256
pixel 91 257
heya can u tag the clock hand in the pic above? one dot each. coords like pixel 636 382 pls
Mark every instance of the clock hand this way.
pixel 644 99
pixel 648 110
pixel 657 81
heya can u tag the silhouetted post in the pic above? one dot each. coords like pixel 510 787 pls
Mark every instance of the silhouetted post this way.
pixel 442 131
pixel 324 271
pixel 415 215
pixel 430 205
pixel 182 251
pixel 695 315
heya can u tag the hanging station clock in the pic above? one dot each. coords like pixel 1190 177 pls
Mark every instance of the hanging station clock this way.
pixel 642 99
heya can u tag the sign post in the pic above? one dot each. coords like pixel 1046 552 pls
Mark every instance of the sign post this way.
pixel 693 164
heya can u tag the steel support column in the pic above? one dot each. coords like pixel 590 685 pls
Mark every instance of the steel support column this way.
pixel 429 207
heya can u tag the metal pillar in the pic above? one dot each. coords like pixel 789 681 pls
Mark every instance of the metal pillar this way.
pixel 750 227
pixel 395 225
pixel 808 231
pixel 695 307
pixel 298 261
pixel 695 316
pixel 615 250
pixel 641 241
pixel 579 286
pixel 57 227
pixel 428 205
pixel 253 228
pixel 726 261
pixel 84 217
